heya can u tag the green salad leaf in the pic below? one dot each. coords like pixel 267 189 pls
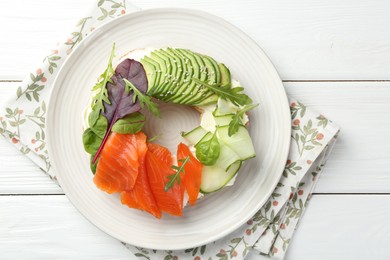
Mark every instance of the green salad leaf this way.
pixel 208 151
pixel 130 124
pixel 91 141
pixel 142 98
pixel 236 120
pixel 100 87
pixel 235 95
pixel 100 127
pixel 93 165
pixel 176 176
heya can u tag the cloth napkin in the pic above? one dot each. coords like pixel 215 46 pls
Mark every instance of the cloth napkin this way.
pixel 268 232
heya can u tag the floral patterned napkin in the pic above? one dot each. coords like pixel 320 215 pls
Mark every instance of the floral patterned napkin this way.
pixel 268 232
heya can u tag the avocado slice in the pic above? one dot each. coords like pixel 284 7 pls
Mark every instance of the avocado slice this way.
pixel 225 75
pixel 179 79
pixel 190 88
pixel 151 74
pixel 199 92
pixel 213 77
pixel 165 70
pixel 210 99
pixel 188 72
pixel 212 70
pixel 202 92
pixel 171 71
pixel 146 61
pixel 172 65
pixel 165 89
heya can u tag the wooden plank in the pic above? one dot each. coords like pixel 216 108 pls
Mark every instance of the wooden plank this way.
pixel 342 227
pixel 32 29
pixel 360 161
pixel 333 227
pixel 335 39
pixel 19 175
pixel 49 227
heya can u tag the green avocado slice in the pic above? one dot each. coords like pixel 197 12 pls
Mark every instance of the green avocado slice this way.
pixel 225 75
pixel 179 79
pixel 174 69
pixel 165 70
pixel 146 61
pixel 188 72
pixel 190 88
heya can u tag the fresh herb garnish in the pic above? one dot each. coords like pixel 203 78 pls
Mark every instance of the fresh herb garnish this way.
pixel 93 165
pixel 234 125
pixel 100 88
pixel 142 98
pixel 130 124
pixel 91 141
pixel 176 176
pixel 154 138
pixel 120 100
pixel 208 151
pixel 225 92
pixel 100 127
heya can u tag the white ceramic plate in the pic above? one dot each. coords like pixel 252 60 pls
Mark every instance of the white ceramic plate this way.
pixel 215 215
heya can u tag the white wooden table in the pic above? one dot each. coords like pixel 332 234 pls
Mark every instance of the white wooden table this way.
pixel 332 55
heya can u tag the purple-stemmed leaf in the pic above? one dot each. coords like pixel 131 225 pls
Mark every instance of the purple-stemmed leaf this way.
pixel 121 100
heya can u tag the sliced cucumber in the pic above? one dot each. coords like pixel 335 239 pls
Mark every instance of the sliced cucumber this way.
pixel 215 178
pixel 195 135
pixel 225 107
pixel 227 157
pixel 226 119
pixel 240 142
pixel 206 137
pixel 223 119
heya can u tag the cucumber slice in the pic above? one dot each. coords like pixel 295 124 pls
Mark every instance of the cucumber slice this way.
pixel 227 157
pixel 226 119
pixel 195 135
pixel 206 137
pixel 214 178
pixel 240 142
pixel 225 107
pixel 223 119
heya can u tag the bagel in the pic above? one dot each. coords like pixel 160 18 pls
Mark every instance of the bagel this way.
pixel 181 76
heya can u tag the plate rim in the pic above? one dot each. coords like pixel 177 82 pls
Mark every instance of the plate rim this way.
pixel 203 15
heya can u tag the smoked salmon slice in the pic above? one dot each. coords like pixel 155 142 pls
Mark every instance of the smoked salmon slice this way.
pixel 158 170
pixel 118 165
pixel 161 152
pixel 141 196
pixel 193 173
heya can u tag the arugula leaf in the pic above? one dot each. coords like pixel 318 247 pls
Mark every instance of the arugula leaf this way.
pixel 208 151
pixel 142 98
pixel 121 101
pixel 100 88
pixel 234 125
pixel 176 176
pixel 130 124
pixel 235 95
pixel 154 138
pixel 91 141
